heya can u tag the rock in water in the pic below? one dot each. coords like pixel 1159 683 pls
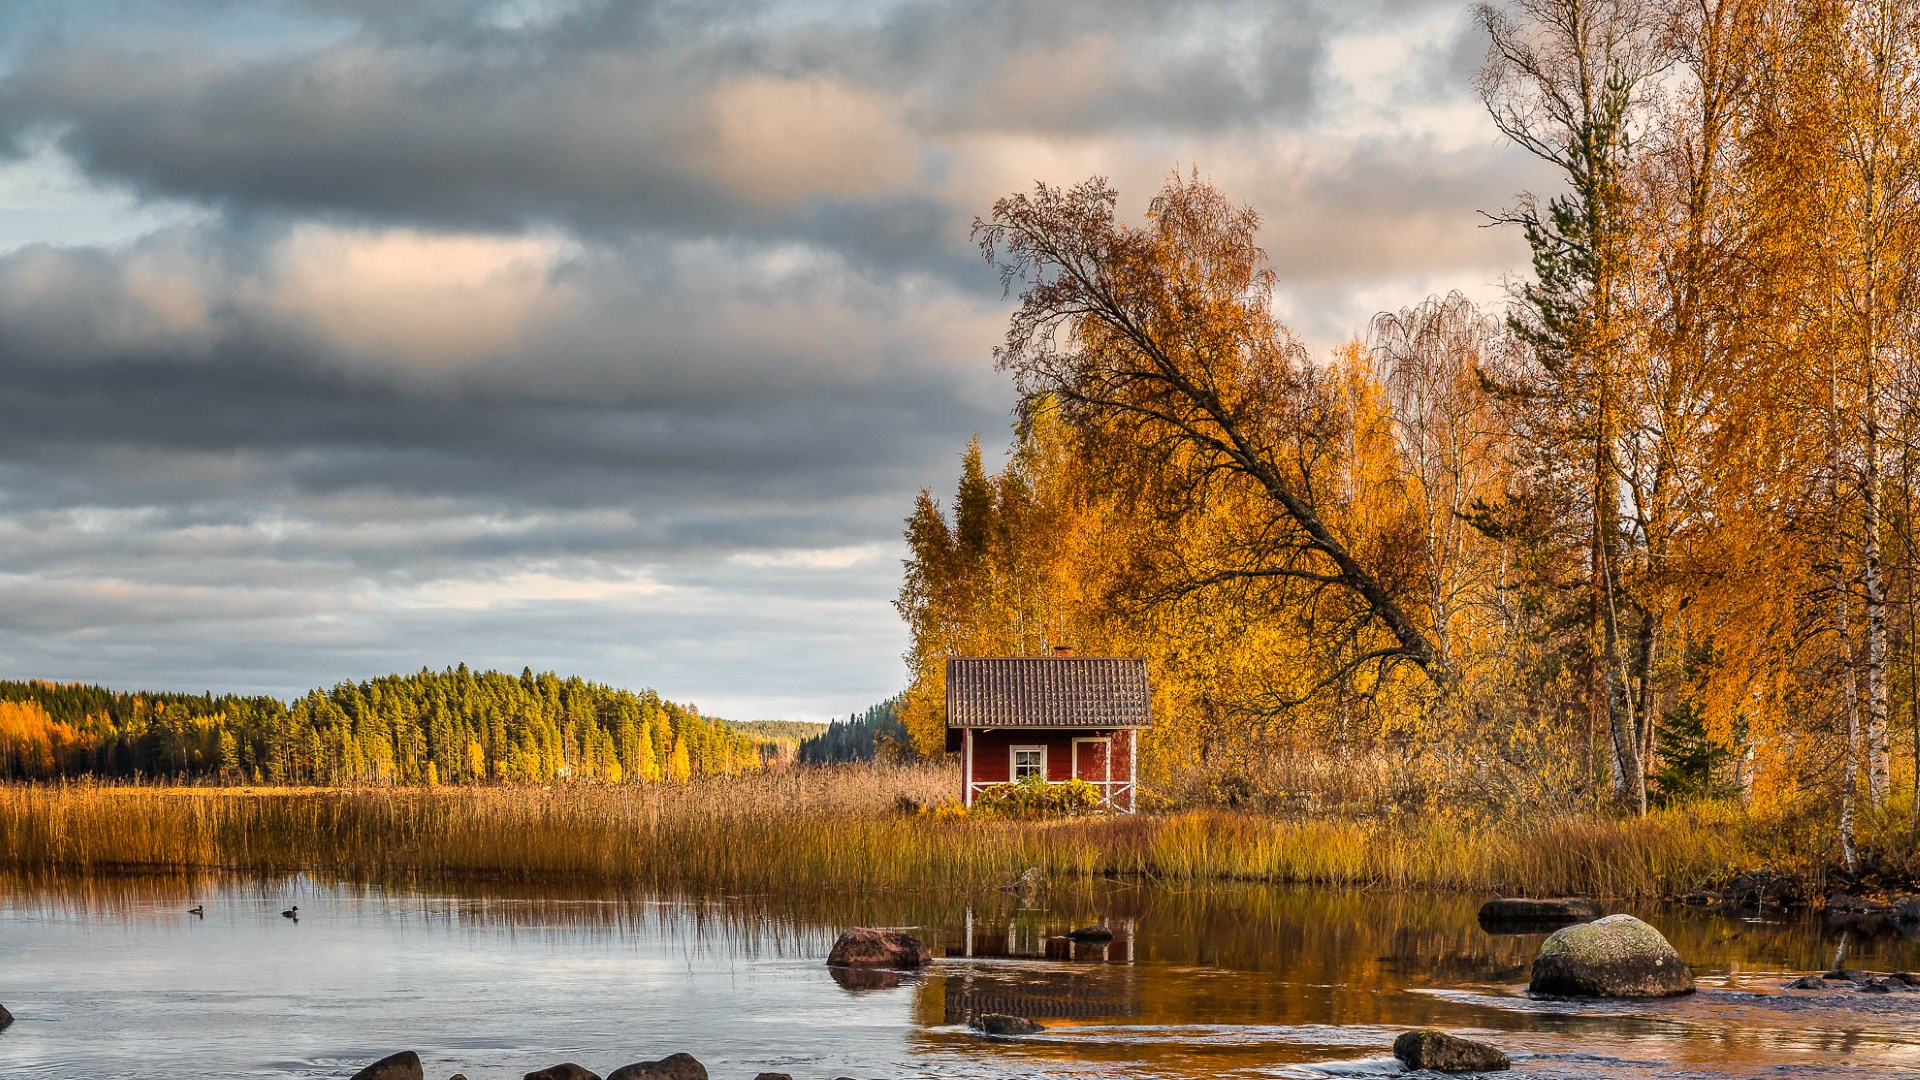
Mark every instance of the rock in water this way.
pixel 1437 1051
pixel 1618 956
pixel 5 1017
pixel 1094 933
pixel 566 1070
pixel 1519 913
pixel 773 1076
pixel 1030 881
pixel 1807 982
pixel 404 1065
pixel 861 947
pixel 671 1067
pixel 1002 1024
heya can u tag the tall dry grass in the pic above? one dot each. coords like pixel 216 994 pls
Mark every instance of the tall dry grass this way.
pixel 823 829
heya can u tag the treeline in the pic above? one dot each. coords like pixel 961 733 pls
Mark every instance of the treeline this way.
pixel 1649 528
pixel 449 727
pixel 876 733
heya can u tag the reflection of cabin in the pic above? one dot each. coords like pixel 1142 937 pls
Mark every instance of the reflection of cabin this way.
pixel 1020 936
pixel 1057 717
pixel 1089 980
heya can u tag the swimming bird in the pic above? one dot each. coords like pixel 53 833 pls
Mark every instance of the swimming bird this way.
pixel 292 913
pixel 198 909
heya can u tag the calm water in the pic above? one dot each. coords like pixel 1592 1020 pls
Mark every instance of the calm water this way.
pixel 111 979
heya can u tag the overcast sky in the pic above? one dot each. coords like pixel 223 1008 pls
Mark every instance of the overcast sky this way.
pixel 350 336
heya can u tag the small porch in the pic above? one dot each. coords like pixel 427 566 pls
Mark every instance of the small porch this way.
pixel 1103 758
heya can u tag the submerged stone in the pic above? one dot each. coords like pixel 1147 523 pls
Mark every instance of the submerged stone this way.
pixel 1807 982
pixel 404 1065
pixel 1437 1051
pixel 672 1067
pixel 1096 932
pixel 1520 912
pixel 1003 1024
pixel 1618 956
pixel 566 1070
pixel 1030 881
pixel 864 947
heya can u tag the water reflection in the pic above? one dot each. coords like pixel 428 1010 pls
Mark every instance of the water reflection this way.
pixel 111 977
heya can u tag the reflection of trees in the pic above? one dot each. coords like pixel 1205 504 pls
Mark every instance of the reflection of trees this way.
pixel 1245 957
pixel 1358 940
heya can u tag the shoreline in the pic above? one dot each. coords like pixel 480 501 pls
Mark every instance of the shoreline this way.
pixel 864 828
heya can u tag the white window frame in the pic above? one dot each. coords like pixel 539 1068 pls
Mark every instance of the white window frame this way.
pixel 1013 761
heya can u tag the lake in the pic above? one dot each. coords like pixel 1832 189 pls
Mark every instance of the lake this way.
pixel 111 978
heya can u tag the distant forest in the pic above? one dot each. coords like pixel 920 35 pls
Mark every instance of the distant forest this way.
pixel 453 726
pixel 877 732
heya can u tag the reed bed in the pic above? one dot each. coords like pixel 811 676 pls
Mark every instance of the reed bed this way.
pixel 823 829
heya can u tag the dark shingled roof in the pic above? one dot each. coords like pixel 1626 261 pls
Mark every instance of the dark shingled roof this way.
pixel 1047 692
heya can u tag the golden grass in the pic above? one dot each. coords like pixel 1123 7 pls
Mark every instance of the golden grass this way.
pixel 817 829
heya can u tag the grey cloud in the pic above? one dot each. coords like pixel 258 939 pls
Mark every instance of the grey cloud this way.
pixel 198 489
pixel 1448 65
pixel 492 342
pixel 600 120
pixel 702 445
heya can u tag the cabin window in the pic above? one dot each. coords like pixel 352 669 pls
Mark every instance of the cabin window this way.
pixel 1029 761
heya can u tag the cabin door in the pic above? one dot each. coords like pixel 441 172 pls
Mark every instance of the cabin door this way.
pixel 1093 762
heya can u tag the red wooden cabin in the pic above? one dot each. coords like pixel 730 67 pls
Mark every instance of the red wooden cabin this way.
pixel 1058 717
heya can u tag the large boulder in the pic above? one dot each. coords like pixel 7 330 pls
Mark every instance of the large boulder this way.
pixel 566 1070
pixel 671 1067
pixel 1002 1024
pixel 1618 956
pixel 863 947
pixel 1091 934
pixel 1518 914
pixel 5 1017
pixel 404 1065
pixel 1437 1051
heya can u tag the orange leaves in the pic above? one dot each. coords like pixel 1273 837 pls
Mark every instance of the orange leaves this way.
pixel 33 746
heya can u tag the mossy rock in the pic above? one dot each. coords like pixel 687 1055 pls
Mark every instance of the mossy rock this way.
pixel 1003 1024
pixel 1437 1051
pixel 1615 957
